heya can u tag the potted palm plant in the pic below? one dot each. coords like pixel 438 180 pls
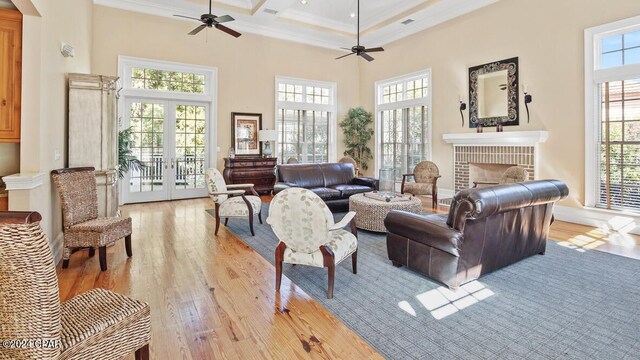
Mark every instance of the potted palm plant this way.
pixel 126 159
pixel 357 130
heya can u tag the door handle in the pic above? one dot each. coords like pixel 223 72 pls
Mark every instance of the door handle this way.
pixel 172 163
pixel 166 164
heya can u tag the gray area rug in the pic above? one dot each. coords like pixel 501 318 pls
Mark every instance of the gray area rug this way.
pixel 563 305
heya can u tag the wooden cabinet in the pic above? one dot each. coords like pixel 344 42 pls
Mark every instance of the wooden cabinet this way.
pixel 93 133
pixel 10 74
pixel 253 170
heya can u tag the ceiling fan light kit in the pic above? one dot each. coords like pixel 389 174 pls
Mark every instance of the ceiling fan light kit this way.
pixel 358 49
pixel 209 20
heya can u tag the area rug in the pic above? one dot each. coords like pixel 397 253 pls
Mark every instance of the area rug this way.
pixel 565 304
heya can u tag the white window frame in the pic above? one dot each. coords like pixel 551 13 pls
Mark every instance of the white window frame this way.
pixel 210 96
pixel 330 108
pixel 380 107
pixel 593 76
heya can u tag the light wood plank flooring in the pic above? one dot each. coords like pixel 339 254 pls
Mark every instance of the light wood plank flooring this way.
pixel 212 297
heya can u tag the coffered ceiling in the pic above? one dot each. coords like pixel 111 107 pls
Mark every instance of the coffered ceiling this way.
pixel 326 23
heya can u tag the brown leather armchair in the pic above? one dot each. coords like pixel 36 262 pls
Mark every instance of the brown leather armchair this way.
pixel 486 229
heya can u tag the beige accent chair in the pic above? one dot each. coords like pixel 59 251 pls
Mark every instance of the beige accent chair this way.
pixel 230 199
pixel 426 175
pixel 514 174
pixel 292 160
pixel 308 235
pixel 81 226
pixel 98 324
pixel 349 160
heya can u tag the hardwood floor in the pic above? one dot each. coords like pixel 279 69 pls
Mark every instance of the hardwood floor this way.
pixel 212 297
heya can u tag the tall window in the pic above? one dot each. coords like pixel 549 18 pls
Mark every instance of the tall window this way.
pixel 305 120
pixel 403 122
pixel 614 118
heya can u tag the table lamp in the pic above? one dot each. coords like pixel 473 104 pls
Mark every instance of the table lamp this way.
pixel 267 136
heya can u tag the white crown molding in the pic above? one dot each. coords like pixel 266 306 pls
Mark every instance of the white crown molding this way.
pixel 23 181
pixel 525 138
pixel 311 19
pixel 424 19
pixel 269 26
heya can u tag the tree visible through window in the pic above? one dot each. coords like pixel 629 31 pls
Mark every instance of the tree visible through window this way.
pixel 403 115
pixel 618 78
pixel 151 79
pixel 304 114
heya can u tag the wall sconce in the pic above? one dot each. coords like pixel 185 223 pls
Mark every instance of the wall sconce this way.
pixel 67 50
pixel 463 106
pixel 527 100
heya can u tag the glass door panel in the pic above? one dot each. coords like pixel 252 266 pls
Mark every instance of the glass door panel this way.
pixel 146 120
pixel 189 162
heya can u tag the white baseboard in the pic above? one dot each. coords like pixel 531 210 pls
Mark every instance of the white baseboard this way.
pixel 606 219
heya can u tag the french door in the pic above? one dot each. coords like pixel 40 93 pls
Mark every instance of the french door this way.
pixel 170 138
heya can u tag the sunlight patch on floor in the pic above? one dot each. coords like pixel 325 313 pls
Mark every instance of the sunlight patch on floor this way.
pixel 442 302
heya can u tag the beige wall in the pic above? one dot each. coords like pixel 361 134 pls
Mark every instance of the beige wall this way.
pixel 45 114
pixel 546 35
pixel 9 159
pixel 247 66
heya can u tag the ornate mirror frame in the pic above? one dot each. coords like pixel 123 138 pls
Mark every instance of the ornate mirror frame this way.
pixel 511 65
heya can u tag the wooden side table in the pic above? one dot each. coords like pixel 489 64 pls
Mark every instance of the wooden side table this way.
pixel 370 213
pixel 258 171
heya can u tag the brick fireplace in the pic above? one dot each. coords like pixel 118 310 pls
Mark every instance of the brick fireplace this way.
pixel 485 156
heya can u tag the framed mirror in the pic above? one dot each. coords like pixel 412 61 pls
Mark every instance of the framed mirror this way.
pixel 493 93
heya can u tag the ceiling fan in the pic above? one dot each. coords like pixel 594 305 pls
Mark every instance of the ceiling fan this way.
pixel 210 20
pixel 360 50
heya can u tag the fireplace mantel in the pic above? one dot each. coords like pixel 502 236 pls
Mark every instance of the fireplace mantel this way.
pixel 527 138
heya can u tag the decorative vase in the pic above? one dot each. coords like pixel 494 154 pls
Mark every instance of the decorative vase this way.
pixel 386 181
pixel 499 127
pixel 479 128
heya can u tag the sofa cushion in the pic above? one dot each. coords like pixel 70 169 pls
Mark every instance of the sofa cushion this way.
pixel 302 175
pixel 348 190
pixel 326 193
pixel 337 173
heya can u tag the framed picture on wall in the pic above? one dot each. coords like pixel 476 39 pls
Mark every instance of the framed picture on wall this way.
pixel 244 133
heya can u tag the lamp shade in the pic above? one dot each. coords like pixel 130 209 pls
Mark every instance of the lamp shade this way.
pixel 267 135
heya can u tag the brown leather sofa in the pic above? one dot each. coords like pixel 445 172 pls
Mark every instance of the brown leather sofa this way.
pixel 333 182
pixel 486 229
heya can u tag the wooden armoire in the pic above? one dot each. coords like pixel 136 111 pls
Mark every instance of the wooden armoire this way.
pixel 93 133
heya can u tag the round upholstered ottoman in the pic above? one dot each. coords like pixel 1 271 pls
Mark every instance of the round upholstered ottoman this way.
pixel 370 213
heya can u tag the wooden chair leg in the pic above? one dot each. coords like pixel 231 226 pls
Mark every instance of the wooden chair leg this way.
pixel 226 221
pixel 102 250
pixel 92 252
pixel 251 224
pixel 332 274
pixel 434 196
pixel 354 261
pixel 143 353
pixel 260 217
pixel 217 218
pixel 328 260
pixel 279 259
pixel 127 245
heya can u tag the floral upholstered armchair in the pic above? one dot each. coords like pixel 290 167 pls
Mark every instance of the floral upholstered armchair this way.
pixel 230 200
pixel 308 235
pixel 426 175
